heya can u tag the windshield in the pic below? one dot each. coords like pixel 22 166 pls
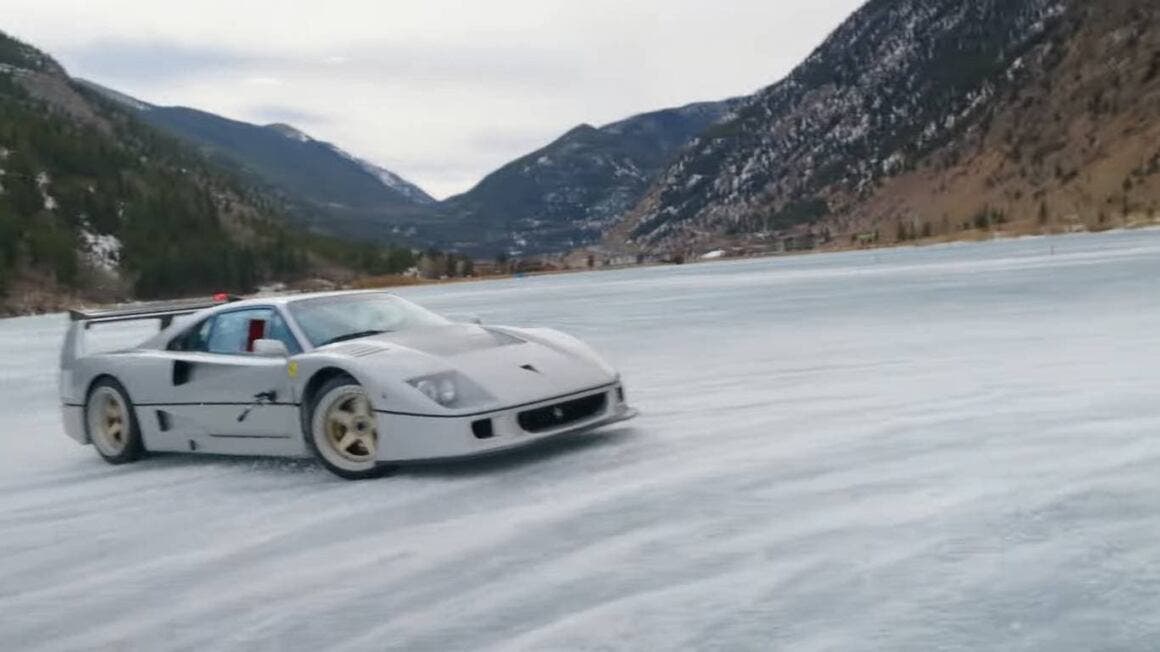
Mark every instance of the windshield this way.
pixel 345 317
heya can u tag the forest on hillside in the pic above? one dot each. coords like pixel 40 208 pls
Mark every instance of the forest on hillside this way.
pixel 106 205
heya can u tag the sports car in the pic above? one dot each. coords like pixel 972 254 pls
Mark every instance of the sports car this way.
pixel 360 380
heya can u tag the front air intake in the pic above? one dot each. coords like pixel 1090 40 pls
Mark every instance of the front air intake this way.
pixel 559 415
pixel 483 429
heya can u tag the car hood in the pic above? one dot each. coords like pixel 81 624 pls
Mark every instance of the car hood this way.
pixel 450 341
pixel 511 366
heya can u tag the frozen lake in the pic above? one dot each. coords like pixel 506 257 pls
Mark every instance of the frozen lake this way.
pixel 953 447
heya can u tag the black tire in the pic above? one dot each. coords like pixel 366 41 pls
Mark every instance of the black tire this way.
pixel 318 436
pixel 125 447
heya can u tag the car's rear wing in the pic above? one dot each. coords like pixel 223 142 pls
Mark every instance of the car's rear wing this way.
pixel 164 311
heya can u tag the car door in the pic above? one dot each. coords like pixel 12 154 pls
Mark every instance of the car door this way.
pixel 223 397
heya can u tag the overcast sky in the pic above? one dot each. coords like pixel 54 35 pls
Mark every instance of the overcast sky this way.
pixel 439 91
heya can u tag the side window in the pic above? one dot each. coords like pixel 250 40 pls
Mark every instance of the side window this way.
pixel 193 339
pixel 235 332
pixel 277 329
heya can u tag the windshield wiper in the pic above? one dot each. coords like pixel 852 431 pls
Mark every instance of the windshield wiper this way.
pixel 352 336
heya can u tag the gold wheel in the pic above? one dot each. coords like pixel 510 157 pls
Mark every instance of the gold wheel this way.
pixel 109 421
pixel 350 427
pixel 111 424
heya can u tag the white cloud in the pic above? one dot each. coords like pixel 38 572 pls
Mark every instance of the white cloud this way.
pixel 265 81
pixel 440 91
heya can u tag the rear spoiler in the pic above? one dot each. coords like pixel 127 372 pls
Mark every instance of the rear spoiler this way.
pixel 166 311
pixel 163 310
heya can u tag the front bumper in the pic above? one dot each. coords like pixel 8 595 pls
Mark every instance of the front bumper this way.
pixel 416 437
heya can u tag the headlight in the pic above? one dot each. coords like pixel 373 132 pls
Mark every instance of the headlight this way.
pixel 440 389
pixel 446 391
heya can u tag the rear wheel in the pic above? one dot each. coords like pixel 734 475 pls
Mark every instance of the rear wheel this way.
pixel 343 431
pixel 111 423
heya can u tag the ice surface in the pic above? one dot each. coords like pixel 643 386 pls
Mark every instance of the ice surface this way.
pixel 944 448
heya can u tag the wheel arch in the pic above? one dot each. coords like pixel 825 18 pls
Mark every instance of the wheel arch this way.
pixel 310 391
pixel 89 387
pixel 318 379
pixel 92 384
pixel 311 394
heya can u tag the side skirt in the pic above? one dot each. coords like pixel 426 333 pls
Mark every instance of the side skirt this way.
pixel 268 430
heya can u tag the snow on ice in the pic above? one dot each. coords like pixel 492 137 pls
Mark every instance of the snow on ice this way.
pixel 950 447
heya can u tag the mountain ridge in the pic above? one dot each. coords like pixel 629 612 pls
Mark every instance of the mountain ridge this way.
pixel 907 120
pixel 564 194
pixel 912 119
pixel 325 187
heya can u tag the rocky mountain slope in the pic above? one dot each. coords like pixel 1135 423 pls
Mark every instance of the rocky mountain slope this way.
pixel 323 187
pixel 930 118
pixel 95 203
pixel 566 193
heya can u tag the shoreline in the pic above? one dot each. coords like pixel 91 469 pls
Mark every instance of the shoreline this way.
pixel 371 283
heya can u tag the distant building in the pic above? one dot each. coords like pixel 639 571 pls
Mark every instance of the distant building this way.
pixel 579 259
pixel 486 268
pixel 618 260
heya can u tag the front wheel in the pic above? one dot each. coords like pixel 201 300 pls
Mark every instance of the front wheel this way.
pixel 342 430
pixel 111 423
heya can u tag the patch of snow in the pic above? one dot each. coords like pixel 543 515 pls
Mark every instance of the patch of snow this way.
pixel 399 184
pixel 290 132
pixel 103 251
pixel 626 168
pixel 42 181
pixel 137 104
pixel 386 177
pixel 130 102
pixel 893 163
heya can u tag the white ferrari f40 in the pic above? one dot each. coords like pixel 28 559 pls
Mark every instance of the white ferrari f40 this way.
pixel 360 380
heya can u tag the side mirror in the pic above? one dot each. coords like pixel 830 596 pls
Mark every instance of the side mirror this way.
pixel 271 349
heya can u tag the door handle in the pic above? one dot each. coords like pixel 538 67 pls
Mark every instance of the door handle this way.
pixel 261 398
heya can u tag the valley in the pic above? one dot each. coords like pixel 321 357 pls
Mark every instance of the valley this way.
pixel 913 122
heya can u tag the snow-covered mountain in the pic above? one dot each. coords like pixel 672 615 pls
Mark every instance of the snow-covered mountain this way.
pixel 914 118
pixel 932 116
pixel 558 197
pixel 568 192
pixel 326 187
